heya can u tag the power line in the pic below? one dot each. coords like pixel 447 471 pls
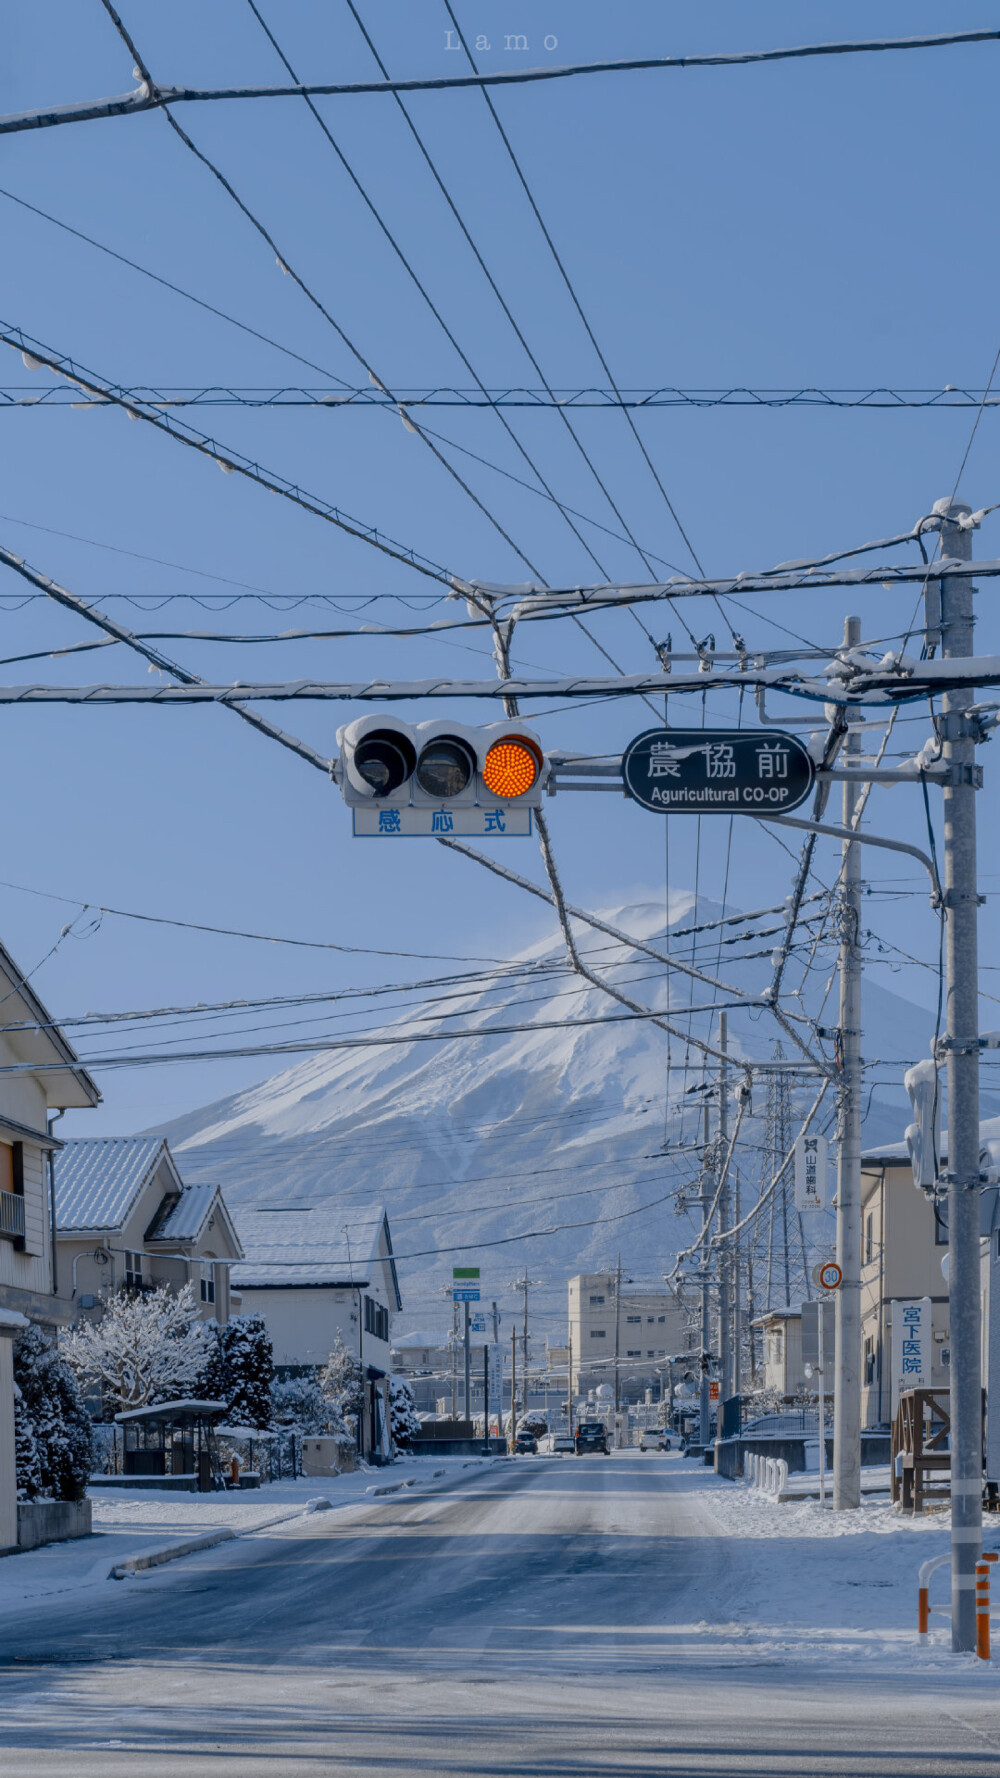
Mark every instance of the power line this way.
pixel 229 461
pixel 148 96
pixel 549 398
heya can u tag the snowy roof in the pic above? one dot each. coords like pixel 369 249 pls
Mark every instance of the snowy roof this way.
pixel 187 1216
pixel 421 1339
pixel 170 1410
pixel 896 1152
pixel 312 1245
pixel 98 1179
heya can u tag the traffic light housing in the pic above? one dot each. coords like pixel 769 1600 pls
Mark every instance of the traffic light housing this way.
pixel 471 778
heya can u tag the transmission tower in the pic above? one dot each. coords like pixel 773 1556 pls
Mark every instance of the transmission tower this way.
pixel 779 1257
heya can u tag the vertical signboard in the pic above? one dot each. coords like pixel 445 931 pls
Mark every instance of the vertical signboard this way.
pixel 912 1346
pixel 811 1156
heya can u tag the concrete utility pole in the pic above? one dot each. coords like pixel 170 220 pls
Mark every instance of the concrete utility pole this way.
pixel 618 1346
pixel 961 903
pixel 513 1385
pixel 569 1386
pixel 704 1200
pixel 468 1367
pixel 847 1348
pixel 737 1293
pixel 726 1388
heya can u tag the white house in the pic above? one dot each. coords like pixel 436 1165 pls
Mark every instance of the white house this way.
pixel 312 1272
pixel 39 1074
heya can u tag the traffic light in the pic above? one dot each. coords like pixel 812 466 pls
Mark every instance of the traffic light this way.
pixel 440 777
pixel 923 1138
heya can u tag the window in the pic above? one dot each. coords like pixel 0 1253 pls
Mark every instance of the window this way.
pixel 869 1237
pixel 207 1284
pixel 661 1319
pixel 650 1319
pixel 376 1319
pixel 595 1300
pixel 662 1353
pixel 869 1363
pixel 133 1271
pixel 597 1333
pixel 651 1354
pixel 633 1318
pixel 631 1354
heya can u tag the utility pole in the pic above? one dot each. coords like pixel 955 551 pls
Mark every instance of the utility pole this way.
pixel 454 1361
pixel 726 1388
pixel 847 1346
pixel 961 903
pixel 468 1377
pixel 513 1384
pixel 618 1345
pixel 569 1386
pixel 704 1200
pixel 737 1293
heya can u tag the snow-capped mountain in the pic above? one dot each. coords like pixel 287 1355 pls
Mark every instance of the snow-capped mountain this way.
pixel 475 1143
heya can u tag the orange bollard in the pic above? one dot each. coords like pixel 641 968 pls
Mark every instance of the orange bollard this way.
pixel 983 1611
pixel 923 1612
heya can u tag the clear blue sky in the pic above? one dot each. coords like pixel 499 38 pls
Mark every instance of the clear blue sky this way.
pixel 819 223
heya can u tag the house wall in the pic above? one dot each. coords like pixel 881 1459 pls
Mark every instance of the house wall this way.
pixel 304 1320
pixel 901 1257
pixel 653 1326
pixel 27 1276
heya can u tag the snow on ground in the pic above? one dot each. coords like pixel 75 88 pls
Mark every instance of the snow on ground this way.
pixel 131 1522
pixel 808 1583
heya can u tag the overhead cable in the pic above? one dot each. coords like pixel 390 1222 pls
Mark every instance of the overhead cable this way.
pixel 148 96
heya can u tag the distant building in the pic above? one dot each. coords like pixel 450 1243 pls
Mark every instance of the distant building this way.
pixel 781 1334
pixel 429 1367
pixel 636 1335
pixel 125 1220
pixel 903 1241
pixel 313 1272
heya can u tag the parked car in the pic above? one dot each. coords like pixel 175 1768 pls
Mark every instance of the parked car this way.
pixel 525 1444
pixel 563 1442
pixel 590 1436
pixel 652 1439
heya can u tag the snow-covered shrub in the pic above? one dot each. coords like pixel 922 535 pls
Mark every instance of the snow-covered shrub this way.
pixel 248 1368
pixel 144 1348
pixel 403 1422
pixel 342 1384
pixel 534 1422
pixel 51 1399
pixel 299 1402
pixel 212 1382
pixel 29 1469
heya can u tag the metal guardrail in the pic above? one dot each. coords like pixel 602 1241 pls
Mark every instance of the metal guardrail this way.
pixel 11 1216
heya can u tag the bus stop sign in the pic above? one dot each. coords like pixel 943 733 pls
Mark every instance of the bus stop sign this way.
pixel 718 771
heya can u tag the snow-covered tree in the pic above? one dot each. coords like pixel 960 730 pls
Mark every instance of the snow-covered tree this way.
pixel 212 1382
pixel 403 1422
pixel 342 1383
pixel 248 1358
pixel 61 1425
pixel 29 1469
pixel 144 1348
pixel 299 1402
pixel 534 1422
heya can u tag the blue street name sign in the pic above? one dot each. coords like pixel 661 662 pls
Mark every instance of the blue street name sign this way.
pixel 465 1293
pixel 718 771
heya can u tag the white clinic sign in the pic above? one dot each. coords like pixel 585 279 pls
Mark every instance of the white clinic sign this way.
pixel 811 1156
pixel 912 1346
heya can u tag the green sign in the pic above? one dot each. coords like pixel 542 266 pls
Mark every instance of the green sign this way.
pixel 465 1272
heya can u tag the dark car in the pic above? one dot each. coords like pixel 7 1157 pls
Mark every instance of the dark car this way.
pixel 591 1436
pixel 525 1443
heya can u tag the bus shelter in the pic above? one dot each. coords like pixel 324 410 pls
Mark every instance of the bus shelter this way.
pixel 174 1440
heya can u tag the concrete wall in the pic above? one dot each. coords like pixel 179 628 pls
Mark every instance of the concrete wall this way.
pixel 52 1521
pixel 8 1473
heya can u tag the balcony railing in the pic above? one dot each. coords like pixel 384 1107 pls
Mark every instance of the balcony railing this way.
pixel 12 1217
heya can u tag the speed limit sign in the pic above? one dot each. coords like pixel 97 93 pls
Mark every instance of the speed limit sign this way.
pixel 828 1276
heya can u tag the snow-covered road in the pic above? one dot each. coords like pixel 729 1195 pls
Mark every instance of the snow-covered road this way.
pixel 546 1619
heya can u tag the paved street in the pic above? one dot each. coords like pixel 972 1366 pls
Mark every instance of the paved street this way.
pixel 549 1618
